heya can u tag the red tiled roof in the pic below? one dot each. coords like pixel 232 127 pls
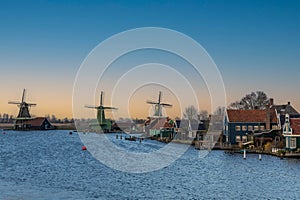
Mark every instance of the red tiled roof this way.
pixel 34 122
pixel 295 124
pixel 159 123
pixel 251 116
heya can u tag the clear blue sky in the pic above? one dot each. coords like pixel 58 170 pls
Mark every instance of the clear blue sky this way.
pixel 42 43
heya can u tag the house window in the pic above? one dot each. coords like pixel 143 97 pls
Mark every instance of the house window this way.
pixel 238 128
pixel 244 128
pixel 250 128
pixel 293 143
pixel 262 128
pixel 256 128
pixel 237 138
pixel 226 128
pixel 244 138
pixel 274 127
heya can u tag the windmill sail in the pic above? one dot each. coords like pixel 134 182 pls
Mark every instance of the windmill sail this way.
pixel 24 106
pixel 103 122
pixel 158 105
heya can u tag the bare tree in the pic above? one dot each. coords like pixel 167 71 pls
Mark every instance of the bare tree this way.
pixel 191 113
pixel 219 111
pixel 254 100
pixel 203 115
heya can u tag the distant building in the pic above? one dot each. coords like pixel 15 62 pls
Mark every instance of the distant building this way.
pixel 284 109
pixel 291 133
pixel 240 124
pixel 163 126
pixel 39 123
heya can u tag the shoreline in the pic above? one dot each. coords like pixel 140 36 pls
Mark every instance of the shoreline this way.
pixel 66 126
pixel 229 150
pixel 234 150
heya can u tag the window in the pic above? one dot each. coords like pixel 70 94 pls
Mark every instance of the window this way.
pixel 256 128
pixel 244 138
pixel 237 138
pixel 274 127
pixel 226 128
pixel 244 128
pixel 250 128
pixel 293 143
pixel 238 128
pixel 262 128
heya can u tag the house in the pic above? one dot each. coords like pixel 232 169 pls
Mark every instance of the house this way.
pixel 162 126
pixel 291 133
pixel 38 123
pixel 240 125
pixel 284 109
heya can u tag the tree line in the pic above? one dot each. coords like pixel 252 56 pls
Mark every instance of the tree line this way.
pixel 6 118
pixel 253 101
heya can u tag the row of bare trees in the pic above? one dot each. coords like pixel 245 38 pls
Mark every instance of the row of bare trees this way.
pixel 252 101
pixel 6 118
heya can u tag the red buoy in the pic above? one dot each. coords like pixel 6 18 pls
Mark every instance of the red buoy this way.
pixel 83 148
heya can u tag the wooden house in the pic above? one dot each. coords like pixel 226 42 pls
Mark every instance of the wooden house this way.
pixel 240 125
pixel 291 133
pixel 283 109
pixel 38 123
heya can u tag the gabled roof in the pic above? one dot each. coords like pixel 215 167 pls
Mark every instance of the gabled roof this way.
pixel 33 122
pixel 285 109
pixel 251 116
pixel 295 124
pixel 158 123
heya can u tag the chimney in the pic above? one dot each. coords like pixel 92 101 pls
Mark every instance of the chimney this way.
pixel 268 117
pixel 289 103
pixel 271 102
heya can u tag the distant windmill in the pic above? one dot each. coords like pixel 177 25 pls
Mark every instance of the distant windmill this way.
pixel 24 107
pixel 159 105
pixel 105 124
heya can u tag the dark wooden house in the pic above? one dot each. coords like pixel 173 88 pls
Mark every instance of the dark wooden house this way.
pixel 239 124
pixel 39 123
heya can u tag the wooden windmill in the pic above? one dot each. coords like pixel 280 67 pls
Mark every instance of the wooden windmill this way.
pixel 103 122
pixel 24 107
pixel 158 105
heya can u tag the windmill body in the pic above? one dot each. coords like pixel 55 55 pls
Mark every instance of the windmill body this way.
pixel 159 125
pixel 105 124
pixel 158 106
pixel 23 107
pixel 24 121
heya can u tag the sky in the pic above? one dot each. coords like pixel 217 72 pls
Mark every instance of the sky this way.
pixel 255 45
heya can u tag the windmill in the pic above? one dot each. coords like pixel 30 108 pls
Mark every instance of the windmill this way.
pixel 159 105
pixel 104 123
pixel 24 107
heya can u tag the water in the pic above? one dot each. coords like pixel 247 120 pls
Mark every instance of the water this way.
pixel 51 165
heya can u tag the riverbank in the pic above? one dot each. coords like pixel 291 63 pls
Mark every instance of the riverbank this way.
pixel 58 126
pixel 6 126
pixel 229 149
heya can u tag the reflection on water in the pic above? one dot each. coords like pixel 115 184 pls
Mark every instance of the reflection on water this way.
pixel 51 165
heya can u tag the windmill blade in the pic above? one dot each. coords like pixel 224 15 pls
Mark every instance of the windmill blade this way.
pixel 31 104
pixel 23 96
pixel 14 102
pixel 151 102
pixel 90 106
pixel 159 97
pixel 101 98
pixel 110 108
pixel 166 105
